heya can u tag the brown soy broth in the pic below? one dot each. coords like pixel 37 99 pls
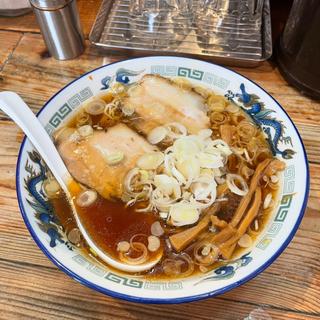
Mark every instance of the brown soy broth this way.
pixel 98 219
pixel 109 222
pixel 63 212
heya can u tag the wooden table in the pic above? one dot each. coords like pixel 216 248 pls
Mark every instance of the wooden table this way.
pixel 31 287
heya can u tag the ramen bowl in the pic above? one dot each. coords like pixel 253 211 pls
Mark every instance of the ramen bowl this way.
pixel 286 216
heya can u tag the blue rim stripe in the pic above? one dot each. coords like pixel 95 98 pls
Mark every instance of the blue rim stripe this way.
pixel 172 300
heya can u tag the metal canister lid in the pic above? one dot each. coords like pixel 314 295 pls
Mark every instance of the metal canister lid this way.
pixel 49 4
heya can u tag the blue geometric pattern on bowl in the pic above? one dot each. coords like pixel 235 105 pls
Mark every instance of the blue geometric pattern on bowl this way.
pixel 209 78
pixel 73 102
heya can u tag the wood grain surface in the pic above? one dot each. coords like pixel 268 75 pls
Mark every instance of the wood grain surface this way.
pixel 8 41
pixel 31 287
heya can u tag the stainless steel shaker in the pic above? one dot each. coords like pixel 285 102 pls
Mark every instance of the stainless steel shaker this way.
pixel 60 26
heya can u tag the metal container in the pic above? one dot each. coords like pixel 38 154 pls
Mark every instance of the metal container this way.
pixel 112 30
pixel 60 27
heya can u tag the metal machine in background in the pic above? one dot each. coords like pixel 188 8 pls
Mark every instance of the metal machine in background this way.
pixel 298 50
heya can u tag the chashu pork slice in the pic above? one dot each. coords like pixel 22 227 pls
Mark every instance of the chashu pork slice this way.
pixel 158 101
pixel 88 160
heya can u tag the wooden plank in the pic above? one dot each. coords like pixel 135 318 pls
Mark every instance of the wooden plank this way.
pixel 310 134
pixel 44 75
pixel 88 10
pixel 25 23
pixel 8 41
pixel 52 295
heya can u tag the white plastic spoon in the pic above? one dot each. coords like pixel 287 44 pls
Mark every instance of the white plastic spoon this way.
pixel 22 115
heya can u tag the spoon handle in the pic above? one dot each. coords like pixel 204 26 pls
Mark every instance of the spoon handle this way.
pixel 22 115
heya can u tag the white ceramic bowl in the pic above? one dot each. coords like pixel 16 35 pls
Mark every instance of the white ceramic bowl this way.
pixel 284 140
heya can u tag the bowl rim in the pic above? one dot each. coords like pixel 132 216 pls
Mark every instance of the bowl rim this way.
pixel 191 298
